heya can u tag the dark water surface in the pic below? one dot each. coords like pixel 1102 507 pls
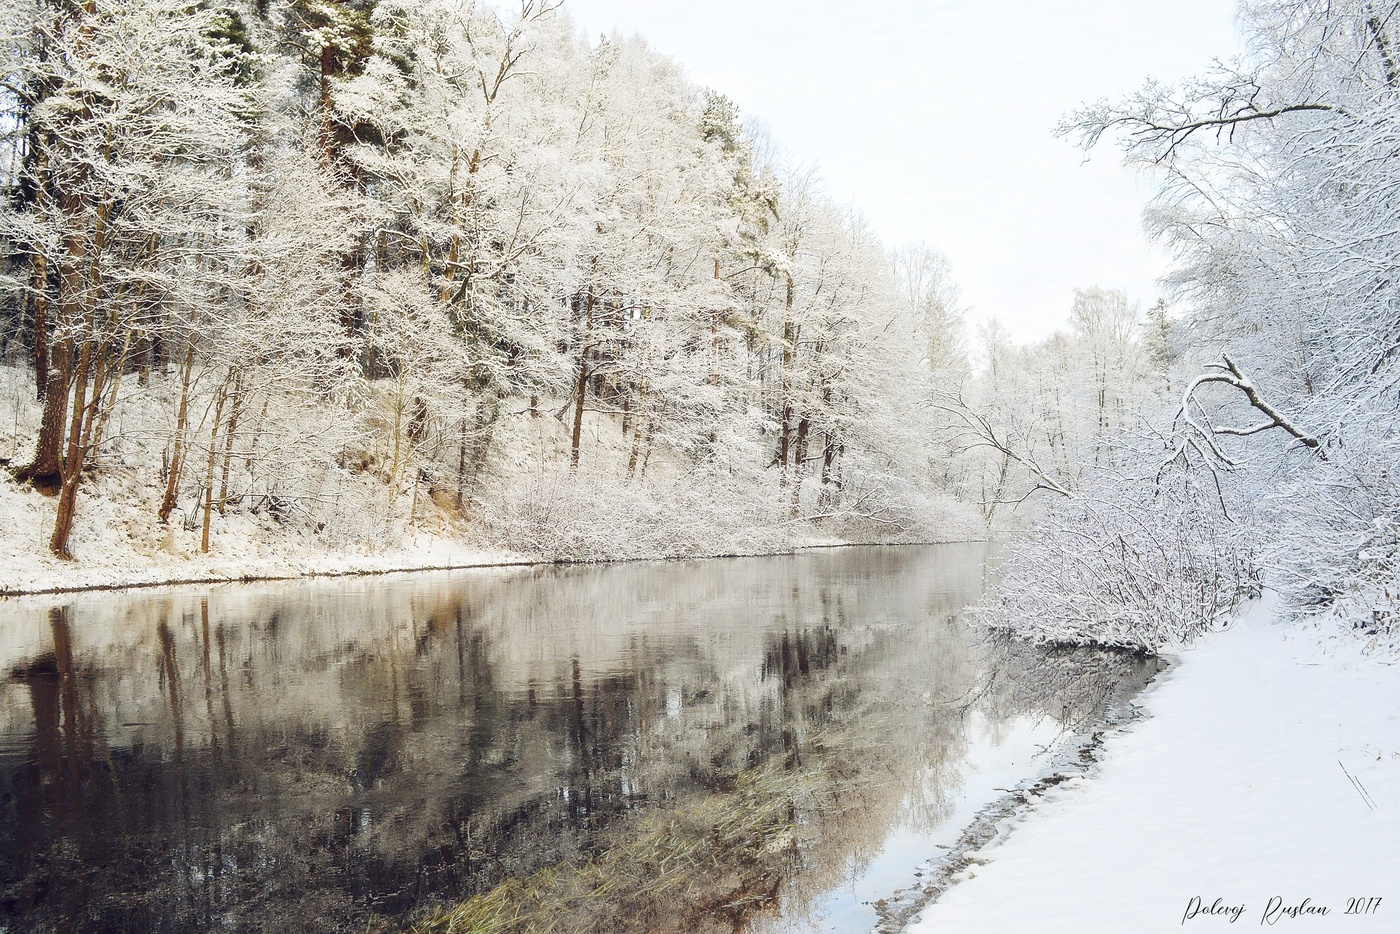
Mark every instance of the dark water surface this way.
pixel 761 744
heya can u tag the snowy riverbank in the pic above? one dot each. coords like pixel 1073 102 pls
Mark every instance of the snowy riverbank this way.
pixel 19 575
pixel 1265 778
pixel 120 550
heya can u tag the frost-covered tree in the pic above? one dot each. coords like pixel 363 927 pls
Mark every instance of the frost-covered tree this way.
pixel 319 258
pixel 925 281
pixel 1278 175
pixel 1037 417
pixel 136 150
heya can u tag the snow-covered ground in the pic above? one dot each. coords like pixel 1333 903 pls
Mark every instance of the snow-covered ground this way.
pixel 1263 786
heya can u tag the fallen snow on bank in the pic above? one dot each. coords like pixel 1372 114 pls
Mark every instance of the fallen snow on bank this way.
pixel 1267 777
pixel 119 544
pixel 28 574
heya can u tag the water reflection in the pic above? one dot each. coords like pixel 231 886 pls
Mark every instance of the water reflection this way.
pixel 670 746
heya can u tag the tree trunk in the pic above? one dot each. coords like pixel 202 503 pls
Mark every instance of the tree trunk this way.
pixel 636 452
pixel 233 417
pixel 38 284
pixel 488 410
pixel 804 425
pixel 714 338
pixel 461 463
pixel 38 297
pixel 581 386
pixel 209 468
pixel 828 491
pixel 646 450
pixel 45 470
pixel 112 371
pixel 73 460
pixel 177 460
pixel 785 387
pixel 399 402
pixel 327 132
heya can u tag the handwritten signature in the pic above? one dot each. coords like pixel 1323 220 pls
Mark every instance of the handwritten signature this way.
pixel 1276 910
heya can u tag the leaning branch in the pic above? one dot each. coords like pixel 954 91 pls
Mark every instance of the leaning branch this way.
pixel 986 435
pixel 1228 373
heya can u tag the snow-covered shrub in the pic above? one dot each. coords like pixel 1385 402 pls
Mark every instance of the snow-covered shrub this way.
pixel 1347 510
pixel 1373 604
pixel 1124 565
pixel 882 507
pixel 580 516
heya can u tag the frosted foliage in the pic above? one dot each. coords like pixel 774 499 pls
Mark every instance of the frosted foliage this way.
pixel 1279 176
pixel 560 515
pixel 308 277
pixel 1127 567
pixel 1042 421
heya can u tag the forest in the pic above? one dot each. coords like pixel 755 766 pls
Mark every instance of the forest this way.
pixel 359 269
pixel 338 274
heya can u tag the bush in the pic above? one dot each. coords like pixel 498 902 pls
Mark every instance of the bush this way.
pixel 1108 568
pixel 565 515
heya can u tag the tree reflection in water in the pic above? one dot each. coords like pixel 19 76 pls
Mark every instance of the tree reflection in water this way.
pixel 664 746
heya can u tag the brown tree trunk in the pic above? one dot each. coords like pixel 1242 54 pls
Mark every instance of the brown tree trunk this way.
pixel 233 417
pixel 1377 30
pixel 74 458
pixel 636 450
pixel 111 370
pixel 209 467
pixel 327 132
pixel 45 470
pixel 449 266
pixel 461 463
pixel 785 387
pixel 646 449
pixel 38 285
pixel 38 297
pixel 799 456
pixel 172 479
pixel 82 246
pixel 829 452
pixel 581 386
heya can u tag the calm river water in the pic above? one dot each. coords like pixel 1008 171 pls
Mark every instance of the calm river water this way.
pixel 759 744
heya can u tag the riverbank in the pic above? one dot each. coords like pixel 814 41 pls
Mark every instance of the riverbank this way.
pixel 29 571
pixel 1263 786
pixel 42 575
pixel 119 543
pixel 432 554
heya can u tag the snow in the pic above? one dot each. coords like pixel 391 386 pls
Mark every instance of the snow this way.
pixel 1244 784
pixel 119 543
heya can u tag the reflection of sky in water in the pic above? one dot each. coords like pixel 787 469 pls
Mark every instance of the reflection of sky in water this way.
pixel 253 757
pixel 993 761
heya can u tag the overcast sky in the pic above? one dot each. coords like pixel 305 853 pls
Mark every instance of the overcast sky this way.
pixel 934 118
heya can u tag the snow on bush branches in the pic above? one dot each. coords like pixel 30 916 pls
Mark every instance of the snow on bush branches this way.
pixel 1124 566
pixel 1279 198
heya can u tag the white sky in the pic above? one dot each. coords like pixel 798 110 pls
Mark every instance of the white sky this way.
pixel 934 118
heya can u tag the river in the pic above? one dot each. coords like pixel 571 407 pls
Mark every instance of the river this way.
pixel 760 744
